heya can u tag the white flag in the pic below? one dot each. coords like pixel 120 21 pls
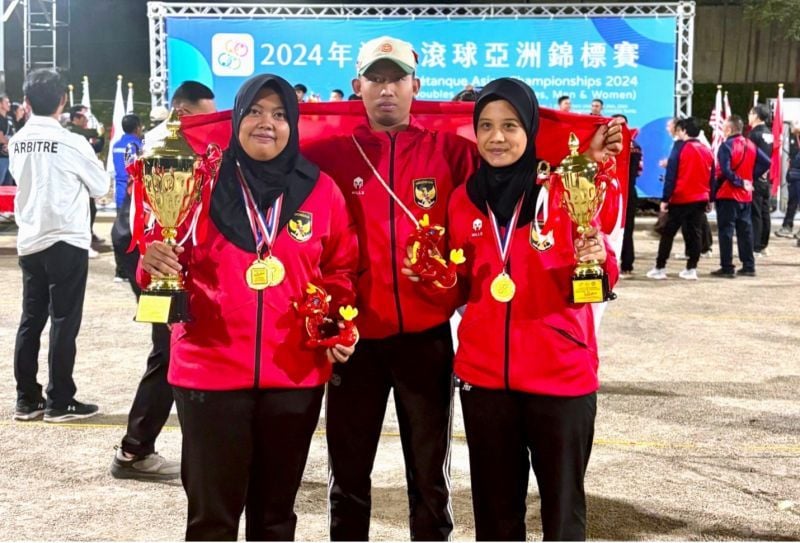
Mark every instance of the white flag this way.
pixel 129 105
pixel 116 125
pixel 717 122
pixel 87 103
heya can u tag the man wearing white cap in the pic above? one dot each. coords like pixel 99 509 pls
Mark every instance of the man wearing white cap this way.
pixel 392 171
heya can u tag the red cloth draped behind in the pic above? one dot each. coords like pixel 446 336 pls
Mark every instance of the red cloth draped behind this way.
pixel 326 119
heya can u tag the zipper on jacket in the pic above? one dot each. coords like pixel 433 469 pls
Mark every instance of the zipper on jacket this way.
pixel 507 350
pixel 259 324
pixel 392 233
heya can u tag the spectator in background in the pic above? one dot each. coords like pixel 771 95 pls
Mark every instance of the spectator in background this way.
pixel 792 183
pixel 468 94
pixel 564 103
pixel 634 171
pixel 129 145
pixel 739 161
pixel 79 124
pixel 670 128
pixel 687 187
pixel 190 98
pixel 300 90
pixel 19 115
pixel 761 135
pixel 597 107
pixel 337 95
pixel 6 131
pixel 193 98
pixel 353 96
pixel 57 173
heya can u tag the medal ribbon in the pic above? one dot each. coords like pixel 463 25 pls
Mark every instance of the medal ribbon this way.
pixel 385 185
pixel 264 231
pixel 504 243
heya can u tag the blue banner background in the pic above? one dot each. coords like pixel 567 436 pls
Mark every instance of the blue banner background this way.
pixel 628 63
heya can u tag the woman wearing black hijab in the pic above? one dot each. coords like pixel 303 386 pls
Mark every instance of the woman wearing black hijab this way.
pixel 527 358
pixel 248 390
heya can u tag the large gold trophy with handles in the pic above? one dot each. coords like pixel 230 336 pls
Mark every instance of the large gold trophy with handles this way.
pixel 170 173
pixel 583 194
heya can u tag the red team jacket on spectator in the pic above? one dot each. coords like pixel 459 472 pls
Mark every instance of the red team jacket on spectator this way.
pixel 242 338
pixel 736 163
pixel 693 177
pixel 422 167
pixel 538 343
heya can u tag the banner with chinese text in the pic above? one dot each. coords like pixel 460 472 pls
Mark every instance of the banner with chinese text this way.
pixel 628 63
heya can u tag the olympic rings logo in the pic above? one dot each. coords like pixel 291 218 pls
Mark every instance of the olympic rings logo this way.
pixel 232 54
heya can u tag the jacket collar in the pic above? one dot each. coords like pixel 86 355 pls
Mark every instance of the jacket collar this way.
pixel 43 120
pixel 365 132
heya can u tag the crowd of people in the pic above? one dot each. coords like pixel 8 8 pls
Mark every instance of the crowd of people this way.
pixel 248 389
pixel 735 182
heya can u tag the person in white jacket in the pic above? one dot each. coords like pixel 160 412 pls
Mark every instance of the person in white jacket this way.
pixel 56 172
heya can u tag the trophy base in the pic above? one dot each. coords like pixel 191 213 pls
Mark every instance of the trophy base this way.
pixel 591 289
pixel 163 306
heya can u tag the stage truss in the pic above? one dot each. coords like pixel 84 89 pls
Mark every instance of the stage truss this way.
pixel 683 11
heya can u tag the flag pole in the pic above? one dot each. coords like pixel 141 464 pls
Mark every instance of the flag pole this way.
pixel 776 167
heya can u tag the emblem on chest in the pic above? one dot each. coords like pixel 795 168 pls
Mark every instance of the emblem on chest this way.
pixel 425 192
pixel 300 226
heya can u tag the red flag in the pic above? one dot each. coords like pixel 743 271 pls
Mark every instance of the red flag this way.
pixel 327 119
pixel 777 141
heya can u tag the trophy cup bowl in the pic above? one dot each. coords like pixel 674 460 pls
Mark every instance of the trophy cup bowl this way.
pixel 172 188
pixel 582 198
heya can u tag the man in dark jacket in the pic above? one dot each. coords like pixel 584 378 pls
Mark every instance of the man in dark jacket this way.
pixel 792 184
pixel 761 135
pixel 135 457
pixel 628 254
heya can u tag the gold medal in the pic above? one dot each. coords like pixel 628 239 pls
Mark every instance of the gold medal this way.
pixel 503 288
pixel 256 275
pixel 275 271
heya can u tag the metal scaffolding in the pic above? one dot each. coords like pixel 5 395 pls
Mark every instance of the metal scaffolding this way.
pixel 683 11
pixel 46 34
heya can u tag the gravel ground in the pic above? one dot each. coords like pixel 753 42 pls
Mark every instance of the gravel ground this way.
pixel 698 428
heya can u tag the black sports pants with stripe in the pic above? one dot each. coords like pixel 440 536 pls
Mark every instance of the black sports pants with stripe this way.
pixel 53 286
pixel 418 368
pixel 244 450
pixel 507 433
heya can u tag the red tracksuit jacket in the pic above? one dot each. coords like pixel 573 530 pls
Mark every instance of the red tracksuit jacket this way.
pixel 693 181
pixel 538 343
pixel 422 167
pixel 241 338
pixel 742 161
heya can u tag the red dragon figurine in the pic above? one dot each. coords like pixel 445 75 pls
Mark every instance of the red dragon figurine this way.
pixel 322 330
pixel 426 259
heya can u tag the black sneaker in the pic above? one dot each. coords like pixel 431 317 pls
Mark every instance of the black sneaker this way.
pixel 29 410
pixel 74 411
pixel 150 467
pixel 724 273
pixel 746 273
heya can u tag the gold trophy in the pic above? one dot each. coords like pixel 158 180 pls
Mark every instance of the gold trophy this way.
pixel 169 173
pixel 582 198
